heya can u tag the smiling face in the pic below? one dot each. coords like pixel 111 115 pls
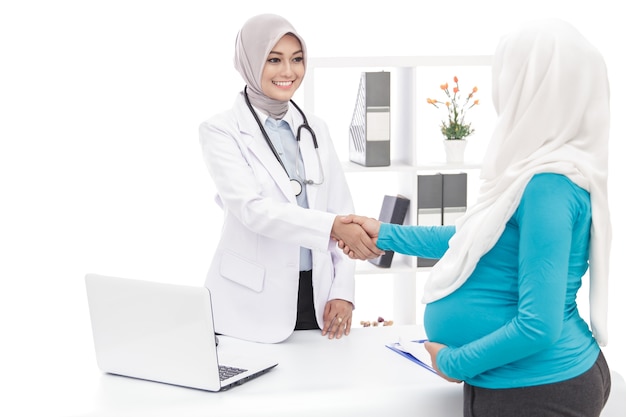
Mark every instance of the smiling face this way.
pixel 284 69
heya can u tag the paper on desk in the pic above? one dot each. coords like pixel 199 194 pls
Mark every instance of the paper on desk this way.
pixel 413 350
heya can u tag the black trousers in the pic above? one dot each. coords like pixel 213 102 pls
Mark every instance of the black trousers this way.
pixel 583 396
pixel 306 309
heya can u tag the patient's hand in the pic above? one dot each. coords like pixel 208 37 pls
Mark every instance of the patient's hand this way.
pixel 434 348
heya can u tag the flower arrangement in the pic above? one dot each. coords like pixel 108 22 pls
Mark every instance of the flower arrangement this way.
pixel 455 127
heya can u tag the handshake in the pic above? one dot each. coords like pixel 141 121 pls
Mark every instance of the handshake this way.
pixel 357 236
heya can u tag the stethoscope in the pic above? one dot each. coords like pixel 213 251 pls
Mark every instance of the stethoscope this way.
pixel 296 183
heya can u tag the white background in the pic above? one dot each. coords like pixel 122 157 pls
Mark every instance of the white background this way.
pixel 100 165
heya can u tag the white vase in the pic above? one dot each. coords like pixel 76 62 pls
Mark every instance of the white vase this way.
pixel 455 150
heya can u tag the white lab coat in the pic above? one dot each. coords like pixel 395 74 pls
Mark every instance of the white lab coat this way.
pixel 254 274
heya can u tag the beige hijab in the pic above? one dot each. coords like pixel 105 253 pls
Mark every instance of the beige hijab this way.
pixel 254 42
pixel 551 94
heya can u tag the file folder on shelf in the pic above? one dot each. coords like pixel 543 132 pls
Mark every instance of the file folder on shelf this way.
pixel 441 199
pixel 393 210
pixel 370 127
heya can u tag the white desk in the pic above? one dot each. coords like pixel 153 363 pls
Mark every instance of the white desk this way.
pixel 354 376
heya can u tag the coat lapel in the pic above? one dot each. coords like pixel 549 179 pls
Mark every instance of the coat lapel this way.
pixel 254 140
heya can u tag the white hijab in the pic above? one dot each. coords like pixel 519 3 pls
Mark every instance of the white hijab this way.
pixel 254 42
pixel 551 94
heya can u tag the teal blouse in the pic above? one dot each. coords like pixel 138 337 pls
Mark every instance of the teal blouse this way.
pixel 515 321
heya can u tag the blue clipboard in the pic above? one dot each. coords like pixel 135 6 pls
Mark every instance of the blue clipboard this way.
pixel 396 347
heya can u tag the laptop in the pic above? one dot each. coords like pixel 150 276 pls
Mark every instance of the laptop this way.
pixel 164 333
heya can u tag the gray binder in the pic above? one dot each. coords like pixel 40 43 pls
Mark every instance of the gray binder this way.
pixel 441 199
pixel 371 121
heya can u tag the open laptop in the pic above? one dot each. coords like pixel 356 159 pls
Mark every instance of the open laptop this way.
pixel 164 333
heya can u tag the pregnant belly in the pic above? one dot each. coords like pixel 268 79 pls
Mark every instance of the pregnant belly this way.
pixel 461 318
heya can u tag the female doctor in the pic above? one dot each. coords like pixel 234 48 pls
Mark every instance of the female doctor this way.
pixel 277 267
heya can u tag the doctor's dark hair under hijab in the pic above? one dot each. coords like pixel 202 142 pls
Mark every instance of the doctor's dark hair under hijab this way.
pixel 254 42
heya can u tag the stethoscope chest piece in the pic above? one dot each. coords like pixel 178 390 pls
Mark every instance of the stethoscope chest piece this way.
pixel 296 186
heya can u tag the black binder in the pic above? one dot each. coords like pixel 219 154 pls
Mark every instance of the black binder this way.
pixel 393 210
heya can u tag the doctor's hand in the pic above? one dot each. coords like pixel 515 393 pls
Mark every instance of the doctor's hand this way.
pixel 434 348
pixel 370 225
pixel 337 318
pixel 352 235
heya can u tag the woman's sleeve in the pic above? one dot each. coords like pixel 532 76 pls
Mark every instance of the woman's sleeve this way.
pixel 423 241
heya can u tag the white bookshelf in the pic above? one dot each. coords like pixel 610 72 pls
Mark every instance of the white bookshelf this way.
pixel 329 91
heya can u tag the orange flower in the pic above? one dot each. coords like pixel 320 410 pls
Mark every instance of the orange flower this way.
pixel 455 127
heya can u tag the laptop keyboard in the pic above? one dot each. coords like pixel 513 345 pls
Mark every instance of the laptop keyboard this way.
pixel 229 371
